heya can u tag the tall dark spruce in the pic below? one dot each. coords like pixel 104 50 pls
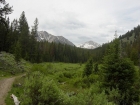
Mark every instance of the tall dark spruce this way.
pixel 119 73
pixel 33 43
pixel 5 9
pixel 24 36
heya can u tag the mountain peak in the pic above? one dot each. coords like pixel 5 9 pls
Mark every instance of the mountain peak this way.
pixel 45 36
pixel 89 45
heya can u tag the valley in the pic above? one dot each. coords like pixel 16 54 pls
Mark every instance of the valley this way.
pixel 43 69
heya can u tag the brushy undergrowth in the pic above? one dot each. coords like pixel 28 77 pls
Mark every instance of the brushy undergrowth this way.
pixel 8 65
pixel 62 84
pixel 59 84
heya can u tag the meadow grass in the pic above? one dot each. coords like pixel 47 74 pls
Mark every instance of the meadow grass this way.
pixel 64 74
pixel 67 76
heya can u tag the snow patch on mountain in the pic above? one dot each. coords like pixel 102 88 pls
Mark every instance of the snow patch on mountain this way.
pixel 45 36
pixel 89 45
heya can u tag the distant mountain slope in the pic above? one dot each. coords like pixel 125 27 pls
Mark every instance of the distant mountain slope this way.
pixel 89 45
pixel 130 44
pixel 131 36
pixel 45 36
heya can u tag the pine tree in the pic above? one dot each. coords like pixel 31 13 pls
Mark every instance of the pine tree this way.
pixel 24 36
pixel 3 35
pixel 119 73
pixel 35 28
pixel 96 67
pixel 88 68
pixel 13 36
pixel 17 52
pixel 33 43
pixel 5 9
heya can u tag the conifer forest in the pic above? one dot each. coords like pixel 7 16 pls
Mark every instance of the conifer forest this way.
pixel 61 74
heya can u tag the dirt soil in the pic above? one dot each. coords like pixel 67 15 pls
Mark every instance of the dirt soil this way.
pixel 5 86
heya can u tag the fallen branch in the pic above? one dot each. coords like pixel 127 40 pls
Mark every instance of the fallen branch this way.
pixel 16 101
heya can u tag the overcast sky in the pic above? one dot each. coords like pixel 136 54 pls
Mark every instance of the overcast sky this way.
pixel 80 20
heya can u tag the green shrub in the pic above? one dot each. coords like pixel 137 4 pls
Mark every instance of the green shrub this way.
pixel 9 65
pixel 93 78
pixel 68 74
pixel 40 90
pixel 78 82
pixel 90 97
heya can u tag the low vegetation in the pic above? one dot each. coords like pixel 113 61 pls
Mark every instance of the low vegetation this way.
pixel 9 66
pixel 60 84
pixel 113 82
pixel 63 85
pixel 108 78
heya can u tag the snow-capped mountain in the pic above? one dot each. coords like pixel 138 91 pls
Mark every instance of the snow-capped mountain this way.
pixel 89 45
pixel 45 36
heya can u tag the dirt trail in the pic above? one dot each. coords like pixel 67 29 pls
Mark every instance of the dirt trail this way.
pixel 5 86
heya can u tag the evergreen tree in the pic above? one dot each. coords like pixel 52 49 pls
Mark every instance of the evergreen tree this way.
pixel 119 73
pixel 96 67
pixel 33 43
pixel 17 52
pixel 35 28
pixel 3 35
pixel 13 36
pixel 134 56
pixel 5 9
pixel 24 36
pixel 88 68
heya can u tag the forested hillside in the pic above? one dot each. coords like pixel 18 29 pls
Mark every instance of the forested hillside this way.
pixel 18 40
pixel 58 74
pixel 130 44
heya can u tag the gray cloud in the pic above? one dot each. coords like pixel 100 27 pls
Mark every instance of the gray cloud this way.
pixel 84 37
pixel 80 20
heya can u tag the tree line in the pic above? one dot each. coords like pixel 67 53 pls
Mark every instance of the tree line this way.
pixel 16 38
pixel 131 45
